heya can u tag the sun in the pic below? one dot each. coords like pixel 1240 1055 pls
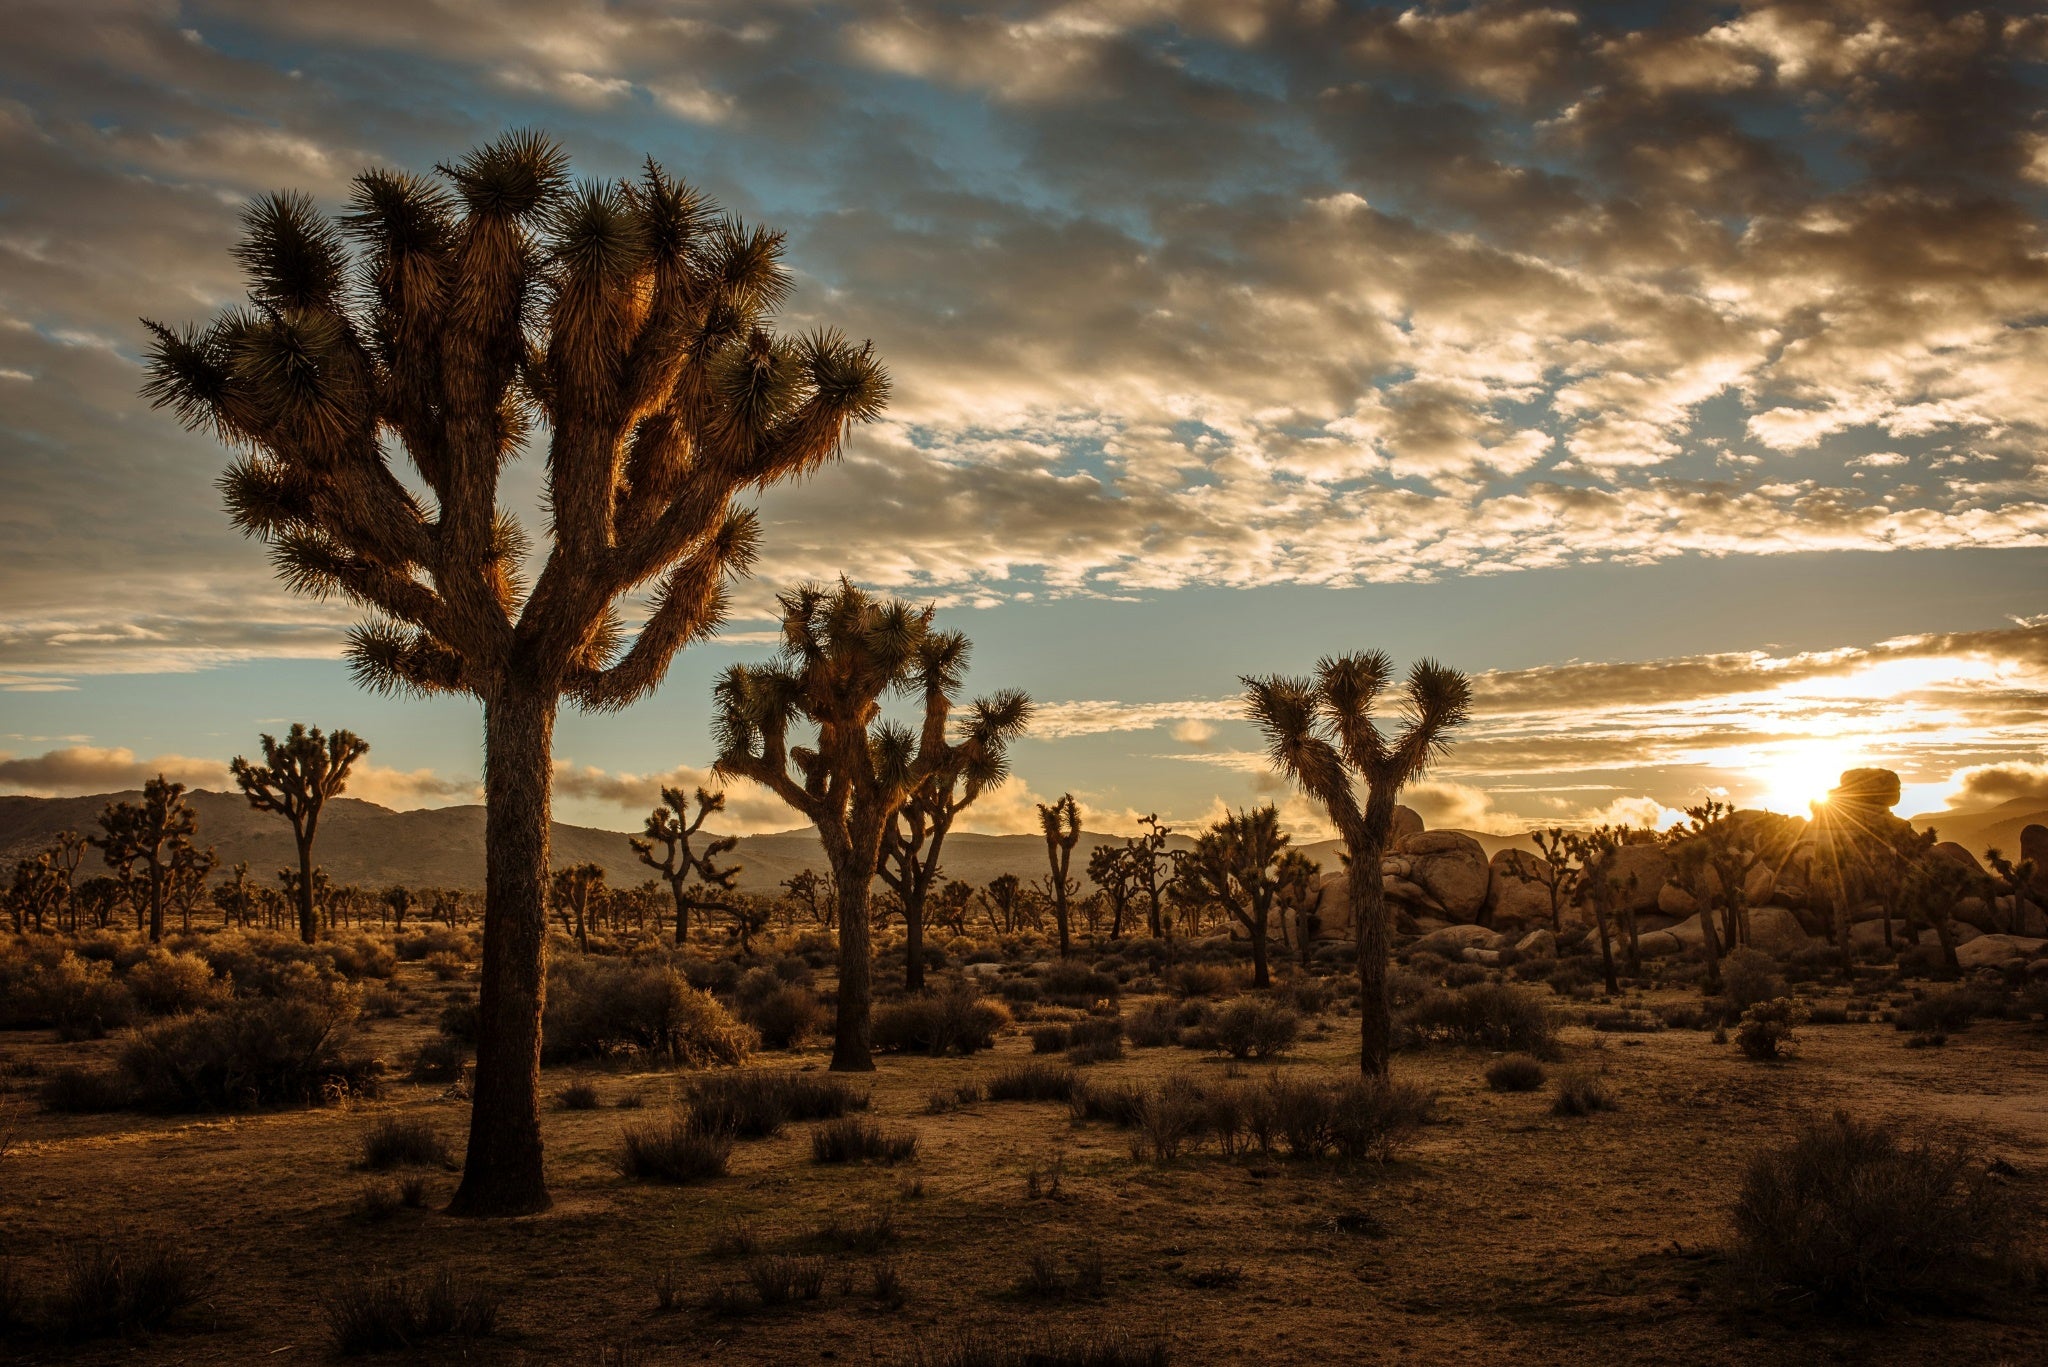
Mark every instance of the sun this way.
pixel 1790 778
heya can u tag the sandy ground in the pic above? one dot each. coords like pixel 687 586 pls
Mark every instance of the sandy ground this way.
pixel 1504 1235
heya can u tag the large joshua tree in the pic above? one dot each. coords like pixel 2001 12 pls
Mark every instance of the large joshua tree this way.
pixel 155 833
pixel 843 651
pixel 917 832
pixel 1236 864
pixel 631 321
pixel 1320 732
pixel 295 780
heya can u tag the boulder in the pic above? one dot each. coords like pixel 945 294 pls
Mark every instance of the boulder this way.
pixel 1956 855
pixel 1996 951
pixel 1640 873
pixel 1515 897
pixel 1407 822
pixel 1776 930
pixel 1676 902
pixel 2034 846
pixel 1659 944
pixel 1537 944
pixel 1333 907
pixel 1867 937
pixel 1452 940
pixel 1689 934
pixel 1975 911
pixel 1488 958
pixel 1440 872
pixel 983 970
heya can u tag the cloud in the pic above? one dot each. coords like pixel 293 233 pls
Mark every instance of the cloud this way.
pixel 403 789
pixel 1989 785
pixel 1193 732
pixel 749 808
pixel 78 770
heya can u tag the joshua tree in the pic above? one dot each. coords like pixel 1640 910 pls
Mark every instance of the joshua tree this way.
pixel 295 780
pixel 152 833
pixel 842 651
pixel 1929 892
pixel 399 899
pixel 2015 881
pixel 1553 872
pixel 816 894
pixel 577 890
pixel 1153 867
pixel 1320 733
pixel 630 319
pixel 916 834
pixel 1002 899
pixel 1597 853
pixel 1235 864
pixel 1297 895
pixel 666 827
pixel 949 906
pixel 1114 869
pixel 1061 823
pixel 185 879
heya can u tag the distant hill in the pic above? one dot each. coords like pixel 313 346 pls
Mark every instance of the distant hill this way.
pixel 373 846
pixel 1992 828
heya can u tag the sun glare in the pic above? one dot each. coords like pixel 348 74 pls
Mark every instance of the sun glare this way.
pixel 1789 779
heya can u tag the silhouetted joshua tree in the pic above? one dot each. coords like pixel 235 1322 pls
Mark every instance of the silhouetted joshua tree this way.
pixel 1235 863
pixel 665 827
pixel 631 320
pixel 1114 869
pixel 843 650
pixel 1061 825
pixel 917 833
pixel 1320 733
pixel 1298 894
pixel 295 780
pixel 155 833
pixel 577 891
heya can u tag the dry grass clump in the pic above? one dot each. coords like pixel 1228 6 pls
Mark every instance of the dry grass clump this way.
pixel 1032 1081
pixel 1940 1013
pixel 168 984
pixel 1361 1120
pixel 1052 1348
pixel 1099 1039
pixel 578 1096
pixel 1153 1025
pixel 1044 1278
pixel 1749 976
pixel 783 1277
pixel 867 1233
pixel 672 1150
pixel 1581 1091
pixel 784 1017
pixel 1768 1029
pixel 1858 1220
pixel 102 1291
pixel 609 1008
pixel 851 1139
pixel 1515 1073
pixel 754 1103
pixel 377 1315
pixel 1251 1028
pixel 401 1142
pixel 1489 1015
pixel 83 1091
pixel 956 1021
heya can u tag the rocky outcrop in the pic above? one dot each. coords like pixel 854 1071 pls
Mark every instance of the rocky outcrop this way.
pixel 1997 951
pixel 1517 895
pixel 1438 873
pixel 1451 941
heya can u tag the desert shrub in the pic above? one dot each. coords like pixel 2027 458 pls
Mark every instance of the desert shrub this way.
pixel 166 984
pixel 1688 1016
pixel 1203 980
pixel 672 1150
pixel 1153 1025
pixel 734 1239
pixel 1581 1091
pixel 1749 976
pixel 1119 1103
pixel 578 1096
pixel 957 1021
pixel 102 1291
pixel 1576 977
pixel 1172 1115
pixel 384 1003
pixel 447 968
pixel 1252 1028
pixel 606 1008
pixel 1944 1011
pixel 851 1139
pixel 1827 1013
pixel 1032 1081
pixel 1049 1348
pixel 1075 984
pixel 460 944
pixel 1370 1118
pixel 360 958
pixel 1862 1221
pixel 1048 1039
pixel 1462 974
pixel 440 1059
pixel 1020 991
pixel 404 1142
pixel 784 1018
pixel 869 1233
pixel 84 1091
pixel 1489 1015
pixel 1620 1020
pixel 376 1315
pixel 1515 1073
pixel 783 1277
pixel 753 1103
pixel 253 1052
pixel 1095 1040
pixel 458 1021
pixel 1766 1032
pixel 81 998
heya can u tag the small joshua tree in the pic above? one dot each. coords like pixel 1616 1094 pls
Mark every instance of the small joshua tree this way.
pixel 1003 900
pixel 1235 863
pixel 1597 854
pixel 1153 866
pixel 1297 894
pixel 153 834
pixel 1320 733
pixel 1554 871
pixel 295 780
pixel 398 898
pixel 1114 869
pixel 917 833
pixel 577 891
pixel 632 321
pixel 843 650
pixel 2015 881
pixel 665 827
pixel 1061 824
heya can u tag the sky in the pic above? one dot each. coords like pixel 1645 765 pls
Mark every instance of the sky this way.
pixel 1678 371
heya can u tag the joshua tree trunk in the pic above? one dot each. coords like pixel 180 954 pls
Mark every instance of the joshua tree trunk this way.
pixel 502 1174
pixel 675 886
pixel 156 902
pixel 856 988
pixel 1260 977
pixel 1606 947
pixel 1369 930
pixel 309 924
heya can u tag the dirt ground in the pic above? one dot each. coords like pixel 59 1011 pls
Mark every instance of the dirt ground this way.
pixel 1505 1234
